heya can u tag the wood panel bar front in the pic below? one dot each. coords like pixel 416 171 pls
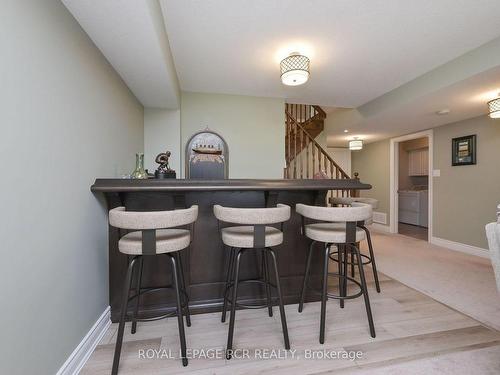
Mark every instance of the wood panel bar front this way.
pixel 205 261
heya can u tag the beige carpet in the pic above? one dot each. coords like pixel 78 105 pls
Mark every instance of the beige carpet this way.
pixel 461 281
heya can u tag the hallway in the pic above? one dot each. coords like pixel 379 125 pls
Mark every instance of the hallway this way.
pixel 419 233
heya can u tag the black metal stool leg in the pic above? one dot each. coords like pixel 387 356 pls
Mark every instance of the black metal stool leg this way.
pixel 353 271
pixel 265 271
pixel 339 268
pixel 183 287
pixel 184 295
pixel 306 276
pixel 123 313
pixel 137 290
pixel 280 298
pixel 343 259
pixel 180 319
pixel 372 256
pixel 324 297
pixel 229 347
pixel 346 271
pixel 229 273
pixel 365 291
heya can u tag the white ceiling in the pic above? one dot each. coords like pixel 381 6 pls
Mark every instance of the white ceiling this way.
pixel 359 49
pixel 465 99
pixel 131 35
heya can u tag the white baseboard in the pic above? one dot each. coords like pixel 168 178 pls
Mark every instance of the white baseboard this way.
pixel 457 246
pixel 380 227
pixel 81 354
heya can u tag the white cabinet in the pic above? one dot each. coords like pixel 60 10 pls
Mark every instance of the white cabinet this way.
pixel 413 207
pixel 418 162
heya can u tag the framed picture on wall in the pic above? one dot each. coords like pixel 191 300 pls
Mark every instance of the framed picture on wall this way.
pixel 463 150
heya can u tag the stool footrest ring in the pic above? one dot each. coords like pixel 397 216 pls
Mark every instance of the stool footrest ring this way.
pixel 364 256
pixel 248 306
pixel 164 316
pixel 142 291
pixel 335 296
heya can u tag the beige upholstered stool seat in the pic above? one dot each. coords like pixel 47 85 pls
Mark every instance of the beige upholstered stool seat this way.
pixel 331 232
pixel 167 240
pixel 243 236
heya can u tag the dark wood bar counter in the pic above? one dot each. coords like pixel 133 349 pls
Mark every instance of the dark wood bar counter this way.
pixel 205 260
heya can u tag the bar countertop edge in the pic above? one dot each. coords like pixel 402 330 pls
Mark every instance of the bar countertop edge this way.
pixel 129 185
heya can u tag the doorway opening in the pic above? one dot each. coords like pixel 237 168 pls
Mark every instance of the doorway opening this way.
pixel 411 185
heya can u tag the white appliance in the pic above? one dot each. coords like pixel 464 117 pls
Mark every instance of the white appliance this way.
pixel 413 207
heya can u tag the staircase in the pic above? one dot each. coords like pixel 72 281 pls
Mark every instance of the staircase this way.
pixel 305 158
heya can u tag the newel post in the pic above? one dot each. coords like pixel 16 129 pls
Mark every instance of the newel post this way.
pixel 355 193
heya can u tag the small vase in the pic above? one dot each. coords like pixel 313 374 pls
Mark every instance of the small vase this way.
pixel 139 172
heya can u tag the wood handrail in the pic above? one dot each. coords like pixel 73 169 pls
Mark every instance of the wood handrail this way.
pixel 313 141
pixel 320 111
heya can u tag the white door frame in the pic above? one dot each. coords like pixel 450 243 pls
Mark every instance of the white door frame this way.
pixel 394 178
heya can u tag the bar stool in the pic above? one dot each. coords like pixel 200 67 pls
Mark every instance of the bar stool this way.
pixel 255 234
pixel 151 238
pixel 369 259
pixel 338 227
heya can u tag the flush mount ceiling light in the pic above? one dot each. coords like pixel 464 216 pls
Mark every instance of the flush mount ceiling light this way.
pixel 356 144
pixel 294 69
pixel 494 107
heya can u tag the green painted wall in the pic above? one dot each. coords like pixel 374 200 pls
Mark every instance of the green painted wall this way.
pixel 465 197
pixel 372 164
pixel 66 118
pixel 253 128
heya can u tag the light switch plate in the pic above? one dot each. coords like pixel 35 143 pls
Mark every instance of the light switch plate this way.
pixel 436 173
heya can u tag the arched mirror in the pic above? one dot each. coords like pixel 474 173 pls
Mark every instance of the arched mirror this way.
pixel 207 156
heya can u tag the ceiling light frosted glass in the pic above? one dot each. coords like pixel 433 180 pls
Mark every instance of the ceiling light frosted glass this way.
pixel 294 70
pixel 494 107
pixel 356 145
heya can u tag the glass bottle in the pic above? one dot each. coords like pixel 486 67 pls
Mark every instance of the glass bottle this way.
pixel 139 171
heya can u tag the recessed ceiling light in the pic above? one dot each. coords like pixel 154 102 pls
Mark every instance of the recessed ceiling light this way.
pixel 442 112
pixel 346 131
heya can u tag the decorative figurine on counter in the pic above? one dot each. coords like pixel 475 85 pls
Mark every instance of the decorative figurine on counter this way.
pixel 163 170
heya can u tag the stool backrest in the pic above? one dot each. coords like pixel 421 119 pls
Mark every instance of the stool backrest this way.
pixel 136 220
pixel 357 212
pixel 256 217
pixel 253 216
pixel 347 201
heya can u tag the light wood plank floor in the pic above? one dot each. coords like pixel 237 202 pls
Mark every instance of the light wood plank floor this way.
pixel 410 327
